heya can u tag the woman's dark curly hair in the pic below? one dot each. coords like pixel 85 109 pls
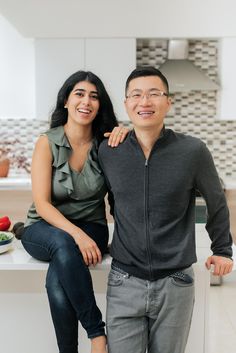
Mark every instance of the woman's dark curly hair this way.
pixel 105 120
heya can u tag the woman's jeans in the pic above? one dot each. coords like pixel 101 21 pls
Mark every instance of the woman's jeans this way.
pixel 69 284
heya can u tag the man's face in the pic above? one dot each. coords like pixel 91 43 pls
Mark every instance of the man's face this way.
pixel 146 103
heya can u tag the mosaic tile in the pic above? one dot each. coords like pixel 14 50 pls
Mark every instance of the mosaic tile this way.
pixel 195 112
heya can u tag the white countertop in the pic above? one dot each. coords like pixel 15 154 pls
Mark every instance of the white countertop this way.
pixel 18 259
pixel 23 182
pixel 15 183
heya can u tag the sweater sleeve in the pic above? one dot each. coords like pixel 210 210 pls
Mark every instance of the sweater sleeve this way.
pixel 110 194
pixel 208 183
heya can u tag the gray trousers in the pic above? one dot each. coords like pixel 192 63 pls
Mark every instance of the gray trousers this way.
pixel 149 316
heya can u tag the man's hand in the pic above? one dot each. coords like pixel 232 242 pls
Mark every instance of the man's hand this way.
pixel 222 265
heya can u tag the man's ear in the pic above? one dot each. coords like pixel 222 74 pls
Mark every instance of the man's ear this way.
pixel 125 101
pixel 169 103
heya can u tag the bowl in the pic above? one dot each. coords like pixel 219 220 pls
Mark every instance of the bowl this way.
pixel 6 244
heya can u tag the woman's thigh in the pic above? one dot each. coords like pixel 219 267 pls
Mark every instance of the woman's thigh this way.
pixel 41 240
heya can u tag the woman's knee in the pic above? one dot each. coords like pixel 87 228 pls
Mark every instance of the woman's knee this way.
pixel 47 242
pixel 62 239
pixel 64 249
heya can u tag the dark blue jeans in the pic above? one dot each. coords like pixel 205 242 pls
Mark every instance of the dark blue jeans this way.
pixel 69 285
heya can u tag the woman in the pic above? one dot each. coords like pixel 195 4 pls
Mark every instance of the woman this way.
pixel 66 225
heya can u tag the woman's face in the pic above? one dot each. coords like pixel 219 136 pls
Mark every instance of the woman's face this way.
pixel 83 103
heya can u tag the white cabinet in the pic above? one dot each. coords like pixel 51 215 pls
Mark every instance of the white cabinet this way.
pixel 227 75
pixel 112 60
pixel 25 312
pixel 56 59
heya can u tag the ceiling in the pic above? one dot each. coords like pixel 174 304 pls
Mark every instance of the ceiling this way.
pixel 70 18
pixel 121 18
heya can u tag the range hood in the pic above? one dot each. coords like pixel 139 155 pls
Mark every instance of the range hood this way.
pixel 181 73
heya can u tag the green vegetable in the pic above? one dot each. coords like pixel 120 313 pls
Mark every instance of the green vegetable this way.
pixel 3 237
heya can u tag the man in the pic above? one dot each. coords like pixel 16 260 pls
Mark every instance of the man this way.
pixel 153 176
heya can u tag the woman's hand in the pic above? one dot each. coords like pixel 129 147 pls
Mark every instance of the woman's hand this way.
pixel 88 248
pixel 117 135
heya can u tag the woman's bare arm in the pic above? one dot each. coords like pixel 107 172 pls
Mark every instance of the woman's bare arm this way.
pixel 41 174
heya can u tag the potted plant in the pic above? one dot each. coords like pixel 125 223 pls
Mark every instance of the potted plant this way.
pixel 12 152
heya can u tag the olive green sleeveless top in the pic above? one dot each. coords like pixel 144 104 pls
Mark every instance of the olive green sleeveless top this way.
pixel 77 195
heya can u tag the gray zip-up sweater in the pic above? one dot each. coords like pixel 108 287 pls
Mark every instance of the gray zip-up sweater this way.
pixel 154 203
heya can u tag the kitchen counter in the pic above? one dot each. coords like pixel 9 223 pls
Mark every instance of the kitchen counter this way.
pixel 23 182
pixel 15 183
pixel 17 259
pixel 24 307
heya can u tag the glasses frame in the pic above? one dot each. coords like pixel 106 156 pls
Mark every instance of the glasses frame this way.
pixel 157 92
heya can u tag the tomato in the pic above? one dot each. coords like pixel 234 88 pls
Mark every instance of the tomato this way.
pixel 5 223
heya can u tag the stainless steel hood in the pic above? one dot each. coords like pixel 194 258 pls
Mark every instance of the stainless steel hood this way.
pixel 181 73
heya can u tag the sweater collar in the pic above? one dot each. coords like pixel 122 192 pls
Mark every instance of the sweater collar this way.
pixel 164 133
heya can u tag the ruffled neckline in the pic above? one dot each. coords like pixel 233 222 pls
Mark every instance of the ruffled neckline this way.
pixel 61 158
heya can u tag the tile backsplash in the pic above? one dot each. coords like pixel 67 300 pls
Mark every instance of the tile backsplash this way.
pixel 25 131
pixel 192 113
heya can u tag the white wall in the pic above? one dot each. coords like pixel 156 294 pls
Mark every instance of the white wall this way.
pixel 227 75
pixel 17 80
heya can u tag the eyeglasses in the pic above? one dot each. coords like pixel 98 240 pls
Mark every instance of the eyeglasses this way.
pixel 153 95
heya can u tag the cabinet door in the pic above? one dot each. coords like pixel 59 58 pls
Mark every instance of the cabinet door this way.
pixel 112 60
pixel 55 60
pixel 227 75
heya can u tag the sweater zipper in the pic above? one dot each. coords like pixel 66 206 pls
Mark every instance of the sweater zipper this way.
pixel 147 218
